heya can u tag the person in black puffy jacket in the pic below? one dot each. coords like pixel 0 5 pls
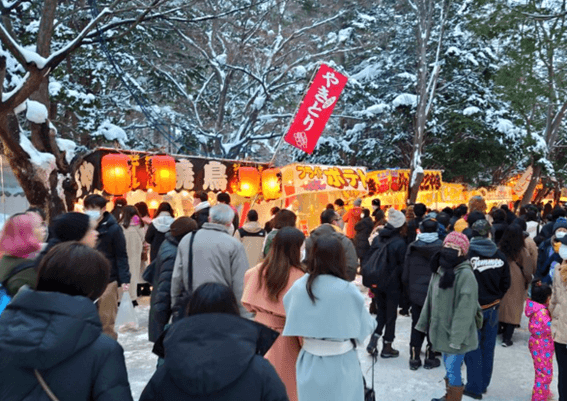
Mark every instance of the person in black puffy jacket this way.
pixel 160 301
pixel 387 301
pixel 62 341
pixel 363 230
pixel 416 277
pixel 215 355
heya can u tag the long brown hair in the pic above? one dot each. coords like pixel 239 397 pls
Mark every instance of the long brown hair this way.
pixel 128 213
pixel 285 253
pixel 512 242
pixel 327 256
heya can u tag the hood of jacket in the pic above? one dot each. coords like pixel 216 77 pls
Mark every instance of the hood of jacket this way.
pixel 424 249
pixel 532 307
pixel 170 238
pixel 389 231
pixel 39 330
pixel 201 206
pixel 162 223
pixel 324 229
pixel 483 246
pixel 208 352
pixel 252 227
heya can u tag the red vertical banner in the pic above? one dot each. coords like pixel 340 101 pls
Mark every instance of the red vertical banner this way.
pixel 315 109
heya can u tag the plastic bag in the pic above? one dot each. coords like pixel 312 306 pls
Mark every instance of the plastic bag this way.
pixel 126 318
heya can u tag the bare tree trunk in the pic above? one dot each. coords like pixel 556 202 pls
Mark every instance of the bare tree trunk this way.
pixel 427 83
pixel 528 195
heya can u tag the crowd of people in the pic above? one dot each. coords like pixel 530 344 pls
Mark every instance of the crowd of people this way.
pixel 262 312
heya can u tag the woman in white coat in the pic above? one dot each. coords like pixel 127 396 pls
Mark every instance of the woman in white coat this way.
pixel 329 313
pixel 134 232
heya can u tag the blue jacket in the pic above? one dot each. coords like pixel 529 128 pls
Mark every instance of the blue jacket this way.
pixel 60 336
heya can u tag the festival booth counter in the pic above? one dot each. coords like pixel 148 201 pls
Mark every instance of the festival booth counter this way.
pixel 154 178
pixel 391 186
pixel 309 188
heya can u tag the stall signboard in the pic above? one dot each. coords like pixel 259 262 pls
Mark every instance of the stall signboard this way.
pixel 192 173
pixel 301 178
pixel 385 181
pixel 522 184
pixel 454 193
pixel 315 109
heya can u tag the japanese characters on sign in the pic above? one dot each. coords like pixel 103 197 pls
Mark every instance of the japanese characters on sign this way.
pixel 316 108
pixel 380 182
pixel 317 178
pixel 191 173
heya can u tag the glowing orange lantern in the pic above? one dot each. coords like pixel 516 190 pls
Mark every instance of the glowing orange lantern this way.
pixel 116 173
pixel 249 181
pixel 161 173
pixel 272 183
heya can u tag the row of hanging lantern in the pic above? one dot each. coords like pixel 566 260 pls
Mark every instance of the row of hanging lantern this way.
pixel 118 173
pixel 250 180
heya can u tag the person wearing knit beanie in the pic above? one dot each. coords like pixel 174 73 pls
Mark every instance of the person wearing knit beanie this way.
pixel 457 240
pixel 452 297
pixel 396 218
pixel 71 226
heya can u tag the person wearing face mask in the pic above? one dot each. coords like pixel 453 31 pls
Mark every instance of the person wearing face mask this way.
pixel 218 257
pixel 375 207
pixel 450 311
pixel 492 274
pixel 112 244
pixel 548 257
pixel 416 277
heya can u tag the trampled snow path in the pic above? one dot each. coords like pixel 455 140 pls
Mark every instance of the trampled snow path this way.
pixel 512 379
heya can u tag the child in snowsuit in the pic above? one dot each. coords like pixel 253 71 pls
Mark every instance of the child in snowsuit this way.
pixel 541 343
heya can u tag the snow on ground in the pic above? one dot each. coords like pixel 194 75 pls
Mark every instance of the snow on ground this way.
pixel 512 379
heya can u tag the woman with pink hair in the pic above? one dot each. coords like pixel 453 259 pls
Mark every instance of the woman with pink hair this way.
pixel 20 240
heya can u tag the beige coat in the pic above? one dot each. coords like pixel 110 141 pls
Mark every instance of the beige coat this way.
pixel 134 245
pixel 521 274
pixel 558 307
pixel 253 243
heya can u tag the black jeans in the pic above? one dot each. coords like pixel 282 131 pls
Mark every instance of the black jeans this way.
pixel 561 355
pixel 417 337
pixel 508 331
pixel 386 313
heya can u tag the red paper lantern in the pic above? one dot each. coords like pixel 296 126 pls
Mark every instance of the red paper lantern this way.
pixel 249 181
pixel 162 175
pixel 116 173
pixel 272 183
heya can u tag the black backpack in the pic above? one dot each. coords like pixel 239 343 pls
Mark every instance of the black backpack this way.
pixel 375 269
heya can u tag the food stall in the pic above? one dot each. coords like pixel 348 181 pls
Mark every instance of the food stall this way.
pixel 154 178
pixel 391 186
pixel 308 188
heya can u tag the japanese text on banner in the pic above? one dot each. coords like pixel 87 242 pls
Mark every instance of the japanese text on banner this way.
pixel 316 108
